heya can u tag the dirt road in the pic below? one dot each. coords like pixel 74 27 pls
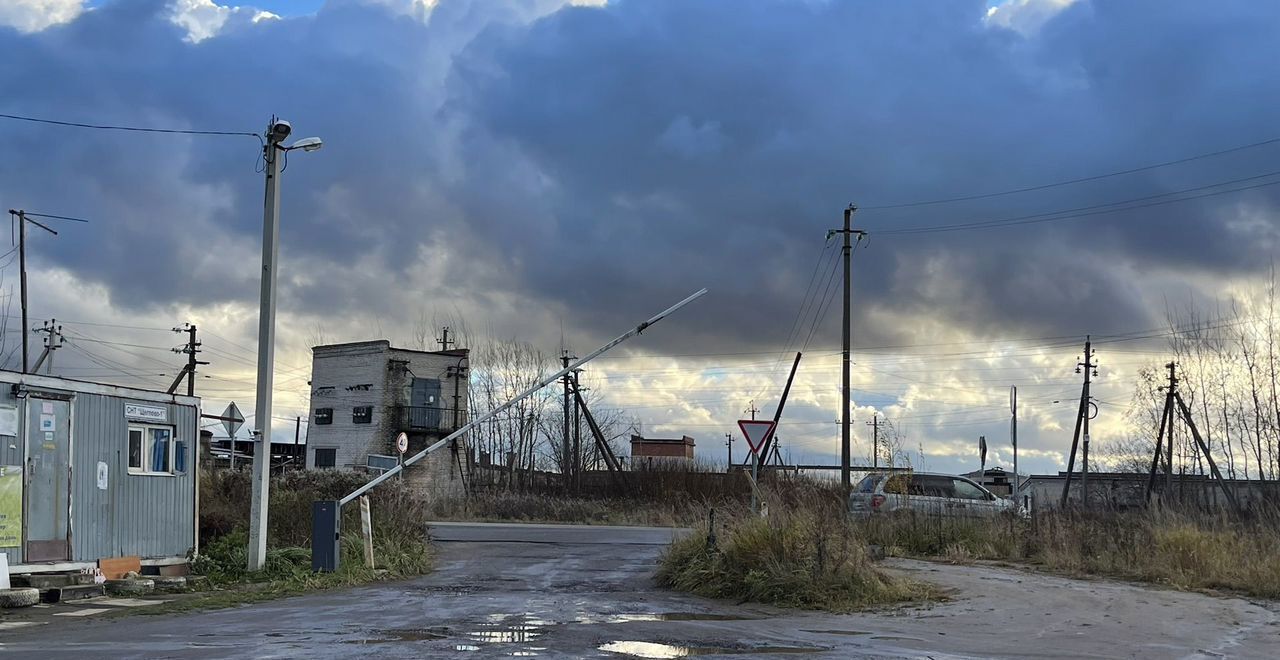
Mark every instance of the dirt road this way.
pixel 573 592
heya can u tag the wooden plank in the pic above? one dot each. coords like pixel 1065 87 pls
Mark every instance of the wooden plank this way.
pixel 114 568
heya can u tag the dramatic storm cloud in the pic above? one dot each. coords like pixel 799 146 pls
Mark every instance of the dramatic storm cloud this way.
pixel 547 167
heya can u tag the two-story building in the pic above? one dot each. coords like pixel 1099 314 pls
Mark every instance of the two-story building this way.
pixel 364 394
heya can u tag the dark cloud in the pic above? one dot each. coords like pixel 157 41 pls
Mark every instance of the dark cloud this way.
pixel 607 161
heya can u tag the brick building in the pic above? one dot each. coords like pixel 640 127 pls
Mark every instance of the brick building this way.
pixel 364 394
pixel 654 453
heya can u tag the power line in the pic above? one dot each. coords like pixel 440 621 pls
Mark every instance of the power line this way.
pixel 1068 182
pixel 1088 211
pixel 135 129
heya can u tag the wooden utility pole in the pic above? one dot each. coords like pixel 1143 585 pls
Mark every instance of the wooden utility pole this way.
pixel 1174 406
pixel 875 440
pixel 763 455
pixel 445 342
pixel 729 443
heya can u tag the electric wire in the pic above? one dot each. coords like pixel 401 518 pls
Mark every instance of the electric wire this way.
pixel 135 129
pixel 1096 177
pixel 1072 214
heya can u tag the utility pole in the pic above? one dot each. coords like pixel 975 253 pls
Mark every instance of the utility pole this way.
pixel 52 342
pixel 23 218
pixel 577 433
pixel 846 449
pixel 729 443
pixel 564 453
pixel 1090 368
pixel 1013 437
pixel 752 410
pixel 445 342
pixel 191 349
pixel 875 440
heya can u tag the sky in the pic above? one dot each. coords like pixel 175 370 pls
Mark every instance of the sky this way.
pixel 555 172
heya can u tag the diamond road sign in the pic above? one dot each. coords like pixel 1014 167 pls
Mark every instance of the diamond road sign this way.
pixel 232 420
pixel 756 432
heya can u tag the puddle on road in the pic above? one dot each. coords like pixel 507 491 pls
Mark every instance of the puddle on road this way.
pixel 664 616
pixel 399 635
pixel 659 651
pixel 837 632
pixel 499 633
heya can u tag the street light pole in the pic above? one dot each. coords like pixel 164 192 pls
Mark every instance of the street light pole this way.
pixel 266 353
pixel 272 151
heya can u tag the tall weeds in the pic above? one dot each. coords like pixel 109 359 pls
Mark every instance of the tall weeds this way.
pixel 806 553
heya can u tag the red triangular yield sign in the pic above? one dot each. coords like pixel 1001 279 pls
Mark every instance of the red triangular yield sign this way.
pixel 756 432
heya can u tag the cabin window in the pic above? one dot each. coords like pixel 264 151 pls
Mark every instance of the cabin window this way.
pixel 153 450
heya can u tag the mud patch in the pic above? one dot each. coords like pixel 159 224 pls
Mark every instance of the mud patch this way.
pixel 657 650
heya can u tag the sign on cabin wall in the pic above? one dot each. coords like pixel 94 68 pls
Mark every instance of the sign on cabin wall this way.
pixel 10 506
pixel 146 413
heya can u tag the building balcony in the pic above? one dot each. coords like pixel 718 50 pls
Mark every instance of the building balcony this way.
pixel 429 419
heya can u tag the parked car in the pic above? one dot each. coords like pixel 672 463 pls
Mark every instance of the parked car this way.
pixel 925 492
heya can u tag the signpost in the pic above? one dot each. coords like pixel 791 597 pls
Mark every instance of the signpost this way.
pixel 402 446
pixel 757 432
pixel 232 420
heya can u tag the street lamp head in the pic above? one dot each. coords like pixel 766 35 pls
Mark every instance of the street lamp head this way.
pixel 307 144
pixel 279 130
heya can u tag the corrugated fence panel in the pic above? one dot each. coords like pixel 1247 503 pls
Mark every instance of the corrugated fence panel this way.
pixel 145 515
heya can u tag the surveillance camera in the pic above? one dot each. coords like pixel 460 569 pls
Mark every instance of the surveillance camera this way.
pixel 279 131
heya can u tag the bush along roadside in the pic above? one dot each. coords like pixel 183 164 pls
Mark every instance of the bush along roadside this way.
pixel 802 557
pixel 401 546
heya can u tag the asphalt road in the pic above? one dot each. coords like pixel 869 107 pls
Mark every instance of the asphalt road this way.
pixel 554 591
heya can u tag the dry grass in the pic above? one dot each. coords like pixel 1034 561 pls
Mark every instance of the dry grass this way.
pixel 805 554
pixel 1188 550
pixel 510 506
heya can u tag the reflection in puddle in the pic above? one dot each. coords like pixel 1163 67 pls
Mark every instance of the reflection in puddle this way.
pixel 465 647
pixel 656 650
pixel 664 616
pixel 399 635
pixel 506 634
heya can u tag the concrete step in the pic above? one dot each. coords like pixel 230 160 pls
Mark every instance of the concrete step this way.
pixel 43 581
pixel 72 592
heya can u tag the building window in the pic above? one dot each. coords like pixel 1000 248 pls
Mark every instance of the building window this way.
pixel 152 450
pixel 324 416
pixel 326 457
pixel 362 415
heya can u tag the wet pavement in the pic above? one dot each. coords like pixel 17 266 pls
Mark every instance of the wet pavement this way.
pixel 553 591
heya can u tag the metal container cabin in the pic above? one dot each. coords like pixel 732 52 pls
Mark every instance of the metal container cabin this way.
pixel 103 471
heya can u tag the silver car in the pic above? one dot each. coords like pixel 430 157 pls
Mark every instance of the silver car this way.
pixel 925 492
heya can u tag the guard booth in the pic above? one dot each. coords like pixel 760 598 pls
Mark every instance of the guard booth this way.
pixel 91 471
